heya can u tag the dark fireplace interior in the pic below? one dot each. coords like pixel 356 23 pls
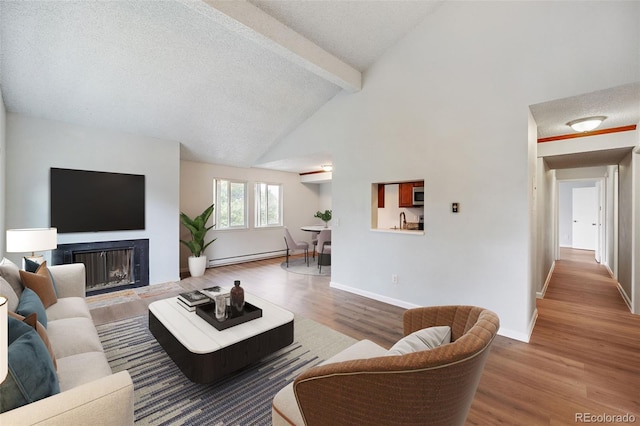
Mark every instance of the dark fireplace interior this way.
pixel 109 265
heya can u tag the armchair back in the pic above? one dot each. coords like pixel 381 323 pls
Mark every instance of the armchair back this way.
pixel 434 387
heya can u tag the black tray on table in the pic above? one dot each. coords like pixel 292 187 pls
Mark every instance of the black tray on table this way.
pixel 248 313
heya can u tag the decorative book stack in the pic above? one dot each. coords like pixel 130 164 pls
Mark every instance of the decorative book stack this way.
pixel 191 299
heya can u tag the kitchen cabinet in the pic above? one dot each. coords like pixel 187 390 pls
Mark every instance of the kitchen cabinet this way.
pixel 380 196
pixel 405 193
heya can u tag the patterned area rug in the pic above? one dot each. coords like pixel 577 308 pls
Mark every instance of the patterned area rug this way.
pixel 164 396
pixel 299 266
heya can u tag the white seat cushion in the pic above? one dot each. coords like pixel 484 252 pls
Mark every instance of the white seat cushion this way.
pixel 76 370
pixel 68 307
pixel 285 409
pixel 72 336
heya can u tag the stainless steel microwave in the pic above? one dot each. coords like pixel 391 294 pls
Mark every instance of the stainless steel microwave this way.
pixel 418 195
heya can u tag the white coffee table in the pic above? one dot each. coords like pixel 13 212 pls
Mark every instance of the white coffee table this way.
pixel 205 354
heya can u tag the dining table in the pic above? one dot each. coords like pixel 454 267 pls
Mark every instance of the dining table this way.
pixel 314 228
pixel 326 261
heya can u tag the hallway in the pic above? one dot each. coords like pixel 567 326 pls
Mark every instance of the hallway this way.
pixel 583 357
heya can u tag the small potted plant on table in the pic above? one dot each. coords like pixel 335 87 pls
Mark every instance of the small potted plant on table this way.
pixel 197 245
pixel 326 217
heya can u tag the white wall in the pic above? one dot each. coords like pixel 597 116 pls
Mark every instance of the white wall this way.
pixel 301 201
pixel 35 145
pixel 3 172
pixel 546 232
pixel 450 102
pixel 325 193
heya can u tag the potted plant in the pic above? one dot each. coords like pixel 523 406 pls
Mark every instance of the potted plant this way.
pixel 326 217
pixel 197 245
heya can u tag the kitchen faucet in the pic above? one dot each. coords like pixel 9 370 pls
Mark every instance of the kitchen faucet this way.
pixel 403 220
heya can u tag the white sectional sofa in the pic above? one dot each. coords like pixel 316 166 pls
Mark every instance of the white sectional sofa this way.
pixel 89 392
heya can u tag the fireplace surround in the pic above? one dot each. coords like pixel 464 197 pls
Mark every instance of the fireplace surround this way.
pixel 109 265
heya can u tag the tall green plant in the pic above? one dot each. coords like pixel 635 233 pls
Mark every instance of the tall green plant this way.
pixel 198 228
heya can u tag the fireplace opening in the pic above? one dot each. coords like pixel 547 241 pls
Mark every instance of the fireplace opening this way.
pixel 107 268
pixel 109 265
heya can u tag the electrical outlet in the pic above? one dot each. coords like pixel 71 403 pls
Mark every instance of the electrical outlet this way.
pixel 394 279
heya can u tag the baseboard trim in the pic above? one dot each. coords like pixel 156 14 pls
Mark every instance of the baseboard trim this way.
pixel 540 294
pixel 626 298
pixel 243 258
pixel 523 337
pixel 374 296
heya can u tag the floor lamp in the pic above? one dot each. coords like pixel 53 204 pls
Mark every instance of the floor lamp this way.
pixel 32 240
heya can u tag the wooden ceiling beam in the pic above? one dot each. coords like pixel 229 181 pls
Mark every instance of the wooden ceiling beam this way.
pixel 253 23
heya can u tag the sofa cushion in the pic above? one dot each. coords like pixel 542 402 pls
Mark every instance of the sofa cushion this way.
pixel 29 303
pixel 72 336
pixel 31 374
pixel 32 320
pixel 32 266
pixel 68 307
pixel 422 340
pixel 40 282
pixel 285 409
pixel 7 291
pixel 76 370
pixel 10 272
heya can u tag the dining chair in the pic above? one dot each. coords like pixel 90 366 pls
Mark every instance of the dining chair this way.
pixel 295 245
pixel 324 246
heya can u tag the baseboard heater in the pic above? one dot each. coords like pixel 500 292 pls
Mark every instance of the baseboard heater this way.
pixel 231 260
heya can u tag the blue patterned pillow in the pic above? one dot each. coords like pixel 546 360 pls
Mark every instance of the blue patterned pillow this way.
pixel 30 302
pixel 31 373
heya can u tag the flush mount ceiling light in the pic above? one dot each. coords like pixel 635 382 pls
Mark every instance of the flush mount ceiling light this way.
pixel 327 167
pixel 586 124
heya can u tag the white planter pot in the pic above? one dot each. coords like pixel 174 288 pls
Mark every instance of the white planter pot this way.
pixel 197 265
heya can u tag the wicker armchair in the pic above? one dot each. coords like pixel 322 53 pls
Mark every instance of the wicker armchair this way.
pixel 434 387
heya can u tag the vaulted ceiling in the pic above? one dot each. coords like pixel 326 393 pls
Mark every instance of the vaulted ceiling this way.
pixel 227 79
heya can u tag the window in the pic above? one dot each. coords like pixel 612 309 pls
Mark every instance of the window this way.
pixel 231 204
pixel 268 205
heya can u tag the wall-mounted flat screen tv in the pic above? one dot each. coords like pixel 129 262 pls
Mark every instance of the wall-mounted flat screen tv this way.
pixel 91 201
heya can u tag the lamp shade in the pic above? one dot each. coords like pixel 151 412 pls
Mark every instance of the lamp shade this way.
pixel 31 239
pixel 4 339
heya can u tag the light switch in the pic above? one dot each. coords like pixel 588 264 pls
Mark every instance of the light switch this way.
pixel 455 207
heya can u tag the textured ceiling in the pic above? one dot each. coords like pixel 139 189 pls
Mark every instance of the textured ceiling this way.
pixel 183 70
pixel 621 106
pixel 167 69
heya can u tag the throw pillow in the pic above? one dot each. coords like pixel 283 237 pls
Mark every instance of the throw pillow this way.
pixel 29 303
pixel 30 265
pixel 40 282
pixel 7 291
pixel 422 340
pixel 31 374
pixel 10 272
pixel 32 320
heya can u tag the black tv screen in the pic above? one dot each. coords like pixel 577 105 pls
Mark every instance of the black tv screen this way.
pixel 90 201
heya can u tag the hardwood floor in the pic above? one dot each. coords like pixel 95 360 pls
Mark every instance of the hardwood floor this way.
pixel 583 357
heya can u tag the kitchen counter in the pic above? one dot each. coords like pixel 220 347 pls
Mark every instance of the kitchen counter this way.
pixel 399 231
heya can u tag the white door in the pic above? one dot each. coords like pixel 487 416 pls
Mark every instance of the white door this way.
pixel 585 218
